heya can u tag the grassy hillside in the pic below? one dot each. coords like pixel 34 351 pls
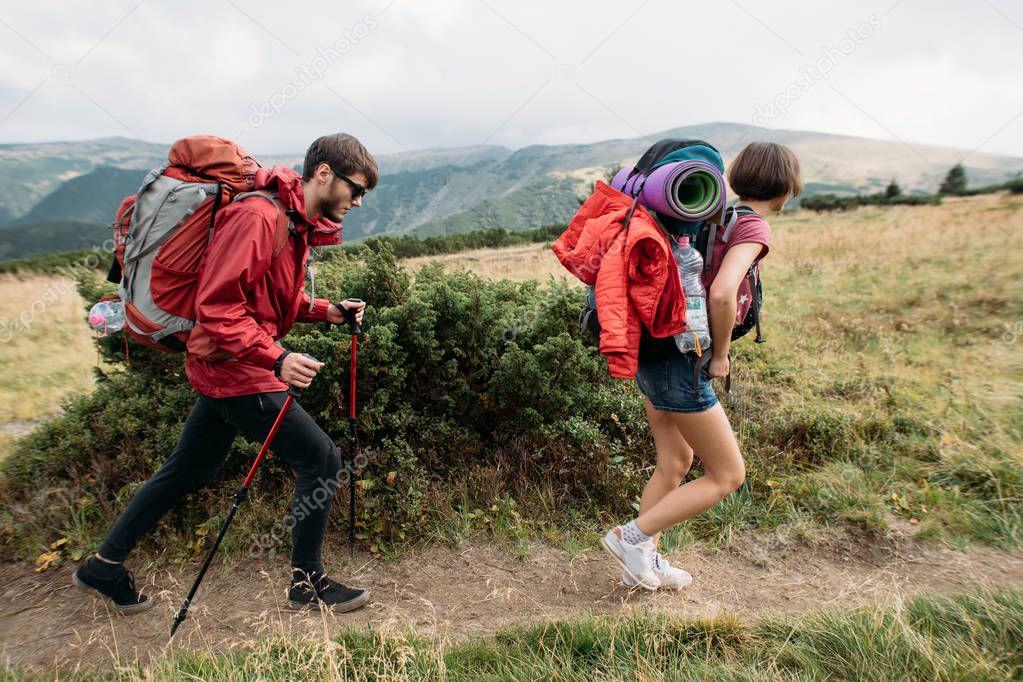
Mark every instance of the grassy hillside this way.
pixel 51 237
pixel 890 386
pixel 46 352
pixel 540 203
pixel 28 172
pixel 90 198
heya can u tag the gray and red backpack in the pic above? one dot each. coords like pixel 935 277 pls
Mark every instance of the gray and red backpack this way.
pixel 162 231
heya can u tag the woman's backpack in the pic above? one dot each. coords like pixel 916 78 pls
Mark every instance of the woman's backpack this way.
pixel 704 244
pixel 654 156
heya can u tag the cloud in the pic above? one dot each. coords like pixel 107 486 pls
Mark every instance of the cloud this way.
pixel 461 72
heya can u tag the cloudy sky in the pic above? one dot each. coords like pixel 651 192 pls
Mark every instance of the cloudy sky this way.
pixel 410 74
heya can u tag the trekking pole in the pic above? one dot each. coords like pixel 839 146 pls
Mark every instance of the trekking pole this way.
pixel 239 497
pixel 355 330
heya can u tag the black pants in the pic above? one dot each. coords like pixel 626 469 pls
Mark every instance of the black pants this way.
pixel 200 452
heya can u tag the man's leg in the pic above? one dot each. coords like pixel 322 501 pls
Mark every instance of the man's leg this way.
pixel 317 465
pixel 310 453
pixel 195 460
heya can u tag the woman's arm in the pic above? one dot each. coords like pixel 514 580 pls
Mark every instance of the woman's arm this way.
pixel 721 302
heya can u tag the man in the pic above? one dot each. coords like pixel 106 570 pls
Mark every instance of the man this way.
pixel 249 293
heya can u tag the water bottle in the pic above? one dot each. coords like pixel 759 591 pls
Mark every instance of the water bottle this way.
pixel 696 337
pixel 107 317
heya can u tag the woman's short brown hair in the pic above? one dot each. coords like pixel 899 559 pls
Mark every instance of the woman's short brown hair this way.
pixel 344 154
pixel 764 171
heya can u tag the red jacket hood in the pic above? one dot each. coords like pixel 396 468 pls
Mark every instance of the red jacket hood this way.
pixel 287 184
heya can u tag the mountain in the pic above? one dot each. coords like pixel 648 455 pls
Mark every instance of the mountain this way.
pixel 50 237
pixel 538 184
pixel 28 172
pixel 92 198
pixel 434 158
pixel 436 191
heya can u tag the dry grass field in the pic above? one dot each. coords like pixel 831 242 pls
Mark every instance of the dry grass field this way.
pixel 515 263
pixel 46 350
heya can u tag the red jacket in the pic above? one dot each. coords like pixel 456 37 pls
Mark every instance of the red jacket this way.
pixel 247 298
pixel 636 281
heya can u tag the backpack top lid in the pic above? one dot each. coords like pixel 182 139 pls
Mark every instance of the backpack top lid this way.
pixel 214 158
pixel 669 150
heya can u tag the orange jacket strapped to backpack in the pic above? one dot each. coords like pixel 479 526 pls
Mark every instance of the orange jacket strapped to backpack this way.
pixel 633 271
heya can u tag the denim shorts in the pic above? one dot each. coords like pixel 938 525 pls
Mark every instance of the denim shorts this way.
pixel 669 384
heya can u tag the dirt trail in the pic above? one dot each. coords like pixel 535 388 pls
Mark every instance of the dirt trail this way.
pixel 473 590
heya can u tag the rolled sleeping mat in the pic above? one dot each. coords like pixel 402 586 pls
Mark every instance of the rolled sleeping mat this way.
pixel 690 191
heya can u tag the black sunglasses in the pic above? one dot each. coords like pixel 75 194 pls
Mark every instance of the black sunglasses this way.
pixel 357 189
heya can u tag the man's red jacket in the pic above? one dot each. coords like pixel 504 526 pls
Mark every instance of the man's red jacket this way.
pixel 247 297
pixel 635 277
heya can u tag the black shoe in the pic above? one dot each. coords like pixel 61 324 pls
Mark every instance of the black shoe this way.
pixel 317 589
pixel 113 582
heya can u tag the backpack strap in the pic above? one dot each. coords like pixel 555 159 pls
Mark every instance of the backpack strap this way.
pixel 736 211
pixel 732 214
pixel 754 281
pixel 285 227
pixel 628 217
pixel 702 361
pixel 708 247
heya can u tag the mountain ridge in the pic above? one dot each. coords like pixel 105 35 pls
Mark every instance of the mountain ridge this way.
pixel 439 190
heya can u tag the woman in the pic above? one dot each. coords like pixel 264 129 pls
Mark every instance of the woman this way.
pixel 686 418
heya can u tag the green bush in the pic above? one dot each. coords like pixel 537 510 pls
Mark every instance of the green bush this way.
pixel 410 246
pixel 65 262
pixel 834 202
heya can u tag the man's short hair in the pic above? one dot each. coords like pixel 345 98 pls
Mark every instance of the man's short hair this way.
pixel 344 154
pixel 764 171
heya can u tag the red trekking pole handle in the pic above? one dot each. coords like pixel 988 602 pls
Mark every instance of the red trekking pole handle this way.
pixel 353 326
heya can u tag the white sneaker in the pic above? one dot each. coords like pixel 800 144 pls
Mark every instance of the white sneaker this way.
pixel 671 578
pixel 636 560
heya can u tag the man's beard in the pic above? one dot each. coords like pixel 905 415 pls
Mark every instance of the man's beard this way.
pixel 332 211
pixel 332 217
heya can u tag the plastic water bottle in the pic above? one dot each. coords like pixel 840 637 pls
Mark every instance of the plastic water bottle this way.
pixel 696 337
pixel 107 317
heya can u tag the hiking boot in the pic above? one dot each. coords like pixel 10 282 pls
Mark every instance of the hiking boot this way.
pixel 636 560
pixel 113 582
pixel 671 578
pixel 319 590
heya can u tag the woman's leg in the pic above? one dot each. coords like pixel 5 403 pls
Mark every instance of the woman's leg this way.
pixel 674 458
pixel 710 435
